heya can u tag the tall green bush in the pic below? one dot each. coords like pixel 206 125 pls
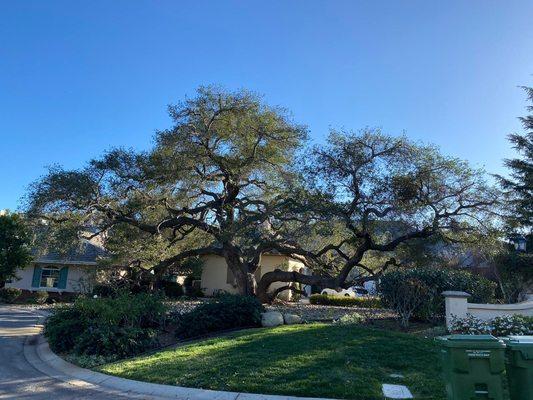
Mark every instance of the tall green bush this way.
pixel 226 312
pixel 430 308
pixel 120 326
pixel 515 270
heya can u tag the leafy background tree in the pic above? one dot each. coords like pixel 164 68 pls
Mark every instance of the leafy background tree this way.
pixel 372 196
pixel 14 246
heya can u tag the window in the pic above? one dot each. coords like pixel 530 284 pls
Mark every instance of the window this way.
pixel 49 277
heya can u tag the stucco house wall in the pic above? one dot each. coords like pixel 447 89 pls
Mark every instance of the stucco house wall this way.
pixel 215 273
pixel 77 269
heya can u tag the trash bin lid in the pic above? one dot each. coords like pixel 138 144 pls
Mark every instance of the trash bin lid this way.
pixel 523 344
pixel 526 340
pixel 472 341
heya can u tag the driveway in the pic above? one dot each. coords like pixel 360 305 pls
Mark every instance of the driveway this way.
pixel 18 378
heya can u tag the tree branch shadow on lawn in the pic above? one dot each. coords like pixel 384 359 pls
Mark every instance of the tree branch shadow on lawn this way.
pixel 306 360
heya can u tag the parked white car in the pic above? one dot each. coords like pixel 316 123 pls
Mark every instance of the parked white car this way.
pixel 352 291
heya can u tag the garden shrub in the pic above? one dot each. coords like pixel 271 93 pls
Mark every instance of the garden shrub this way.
pixel 343 301
pixel 123 325
pixel 188 281
pixel 9 295
pixel 436 281
pixel 515 274
pixel 469 325
pixel 511 325
pixel 499 326
pixel 172 289
pixel 407 298
pixel 64 327
pixel 40 297
pixel 350 319
pixel 193 287
pixel 111 339
pixel 104 290
pixel 225 312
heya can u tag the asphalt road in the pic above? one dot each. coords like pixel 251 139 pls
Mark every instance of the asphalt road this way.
pixel 19 379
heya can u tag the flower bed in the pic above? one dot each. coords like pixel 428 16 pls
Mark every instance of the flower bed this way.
pixel 499 326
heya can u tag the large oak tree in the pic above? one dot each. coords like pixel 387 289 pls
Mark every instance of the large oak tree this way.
pixel 371 196
pixel 209 186
pixel 225 179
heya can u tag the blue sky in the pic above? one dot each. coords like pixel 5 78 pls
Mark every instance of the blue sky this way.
pixel 78 77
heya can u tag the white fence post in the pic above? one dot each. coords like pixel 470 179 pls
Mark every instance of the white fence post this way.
pixel 456 305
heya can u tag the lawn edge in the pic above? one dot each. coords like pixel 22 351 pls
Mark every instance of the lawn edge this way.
pixel 38 353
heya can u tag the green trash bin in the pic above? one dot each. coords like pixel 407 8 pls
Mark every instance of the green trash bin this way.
pixel 473 366
pixel 519 364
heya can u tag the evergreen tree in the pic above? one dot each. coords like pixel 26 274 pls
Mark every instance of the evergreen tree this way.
pixel 519 186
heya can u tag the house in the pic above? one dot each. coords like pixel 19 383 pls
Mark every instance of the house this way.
pixel 75 272
pixel 217 277
pixel 52 272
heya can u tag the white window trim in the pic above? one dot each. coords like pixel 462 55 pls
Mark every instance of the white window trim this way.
pixel 49 267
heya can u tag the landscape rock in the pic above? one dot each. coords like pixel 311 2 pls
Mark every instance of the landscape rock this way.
pixel 292 319
pixel 271 318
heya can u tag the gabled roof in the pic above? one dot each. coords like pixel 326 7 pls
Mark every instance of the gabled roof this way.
pixel 86 253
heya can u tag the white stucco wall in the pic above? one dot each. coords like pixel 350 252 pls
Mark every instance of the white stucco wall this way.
pixel 457 306
pixel 214 273
pixel 77 278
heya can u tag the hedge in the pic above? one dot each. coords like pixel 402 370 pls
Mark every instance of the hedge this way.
pixel 345 301
pixel 226 312
pixel 121 326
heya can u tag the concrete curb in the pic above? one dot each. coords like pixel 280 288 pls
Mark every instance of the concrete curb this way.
pixel 38 354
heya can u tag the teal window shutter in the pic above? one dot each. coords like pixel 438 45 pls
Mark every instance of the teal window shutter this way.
pixel 36 281
pixel 63 273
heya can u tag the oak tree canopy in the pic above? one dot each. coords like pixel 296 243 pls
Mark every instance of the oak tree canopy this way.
pixel 234 176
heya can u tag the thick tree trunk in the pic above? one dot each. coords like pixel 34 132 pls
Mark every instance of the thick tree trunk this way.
pixel 246 284
pixel 278 275
pixel 244 279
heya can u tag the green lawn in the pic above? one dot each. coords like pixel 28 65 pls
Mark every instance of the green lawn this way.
pixel 317 360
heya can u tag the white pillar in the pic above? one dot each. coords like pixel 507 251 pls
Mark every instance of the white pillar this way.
pixel 456 305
